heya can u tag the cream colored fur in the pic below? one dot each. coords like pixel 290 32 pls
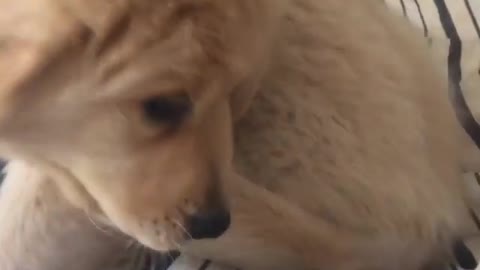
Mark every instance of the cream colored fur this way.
pixel 362 164
pixel 41 230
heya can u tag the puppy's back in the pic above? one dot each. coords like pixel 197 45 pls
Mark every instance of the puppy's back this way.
pixel 363 133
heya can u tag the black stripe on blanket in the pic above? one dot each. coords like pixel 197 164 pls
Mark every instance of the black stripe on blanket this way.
pixel 475 218
pixel 3 163
pixel 474 215
pixel 205 265
pixel 404 9
pixel 160 261
pixel 455 73
pixel 422 18
pixel 472 17
pixel 464 256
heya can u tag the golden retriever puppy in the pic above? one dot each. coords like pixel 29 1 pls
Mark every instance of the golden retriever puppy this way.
pixel 128 106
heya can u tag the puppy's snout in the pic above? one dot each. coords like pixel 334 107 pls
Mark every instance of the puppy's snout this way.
pixel 209 224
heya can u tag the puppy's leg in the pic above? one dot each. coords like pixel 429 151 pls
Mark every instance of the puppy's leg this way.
pixel 269 232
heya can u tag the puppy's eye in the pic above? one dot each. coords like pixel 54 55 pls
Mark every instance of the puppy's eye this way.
pixel 167 110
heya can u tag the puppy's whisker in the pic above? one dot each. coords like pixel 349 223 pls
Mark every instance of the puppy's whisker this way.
pixel 143 262
pixel 138 256
pixel 154 262
pixel 131 244
pixel 170 256
pixel 180 225
pixel 107 232
pixel 175 243
pixel 135 257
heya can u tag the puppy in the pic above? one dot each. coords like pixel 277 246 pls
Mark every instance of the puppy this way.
pixel 129 105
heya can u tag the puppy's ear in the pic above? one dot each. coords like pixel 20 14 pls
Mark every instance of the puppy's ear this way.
pixel 33 35
pixel 31 32
pixel 250 38
pixel 242 96
pixel 19 59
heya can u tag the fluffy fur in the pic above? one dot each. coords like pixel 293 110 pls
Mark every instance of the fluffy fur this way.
pixel 362 168
pixel 42 231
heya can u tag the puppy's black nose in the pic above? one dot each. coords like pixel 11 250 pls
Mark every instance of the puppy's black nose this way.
pixel 211 224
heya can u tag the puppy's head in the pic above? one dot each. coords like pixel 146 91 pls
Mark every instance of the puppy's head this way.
pixel 127 104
